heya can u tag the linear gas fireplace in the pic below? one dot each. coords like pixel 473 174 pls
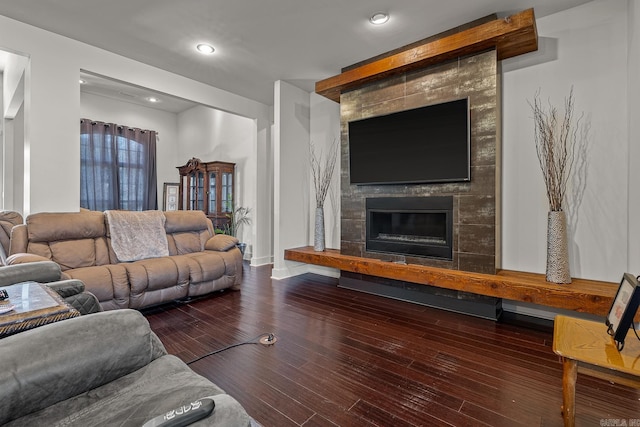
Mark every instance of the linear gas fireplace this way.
pixel 414 226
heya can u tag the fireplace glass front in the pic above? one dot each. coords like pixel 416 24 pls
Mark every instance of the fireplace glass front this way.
pixel 413 226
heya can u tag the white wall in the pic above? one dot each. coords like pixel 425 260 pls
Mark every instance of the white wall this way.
pixel 15 139
pixel 211 134
pixel 108 110
pixel 291 175
pixel 13 83
pixel 325 132
pixel 52 109
pixel 13 91
pixel 586 47
pixel 633 99
pixel 262 250
pixel 2 143
pixel 302 118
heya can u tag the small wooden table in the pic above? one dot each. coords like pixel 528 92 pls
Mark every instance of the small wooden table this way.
pixel 585 347
pixel 35 305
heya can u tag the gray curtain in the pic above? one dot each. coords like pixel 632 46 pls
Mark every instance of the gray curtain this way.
pixel 118 167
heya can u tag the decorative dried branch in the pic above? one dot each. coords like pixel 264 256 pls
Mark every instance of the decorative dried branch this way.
pixel 555 145
pixel 322 172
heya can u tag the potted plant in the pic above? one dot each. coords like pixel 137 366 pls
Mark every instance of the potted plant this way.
pixel 237 218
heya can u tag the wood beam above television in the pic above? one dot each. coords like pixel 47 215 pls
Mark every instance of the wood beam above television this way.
pixel 510 36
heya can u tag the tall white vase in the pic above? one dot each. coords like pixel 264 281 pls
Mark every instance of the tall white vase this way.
pixel 557 248
pixel 318 235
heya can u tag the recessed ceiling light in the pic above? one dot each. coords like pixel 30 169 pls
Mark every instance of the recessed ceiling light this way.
pixel 153 99
pixel 379 18
pixel 205 48
pixel 82 81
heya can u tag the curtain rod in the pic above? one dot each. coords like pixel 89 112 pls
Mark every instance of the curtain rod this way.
pixel 94 122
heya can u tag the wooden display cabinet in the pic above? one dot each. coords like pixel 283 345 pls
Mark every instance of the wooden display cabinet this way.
pixel 208 186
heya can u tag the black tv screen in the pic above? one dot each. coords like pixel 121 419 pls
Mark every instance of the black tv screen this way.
pixel 423 145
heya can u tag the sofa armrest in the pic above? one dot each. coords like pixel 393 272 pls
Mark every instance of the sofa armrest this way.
pixel 24 258
pixel 221 243
pixel 42 271
pixel 81 354
pixel 19 239
pixel 67 288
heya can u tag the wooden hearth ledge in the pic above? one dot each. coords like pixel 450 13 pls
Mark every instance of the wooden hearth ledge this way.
pixel 510 36
pixel 587 296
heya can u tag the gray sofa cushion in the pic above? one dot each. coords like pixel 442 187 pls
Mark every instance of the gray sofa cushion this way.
pixel 46 365
pixel 103 369
pixel 164 384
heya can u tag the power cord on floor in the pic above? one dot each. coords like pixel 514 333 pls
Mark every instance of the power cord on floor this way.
pixel 263 339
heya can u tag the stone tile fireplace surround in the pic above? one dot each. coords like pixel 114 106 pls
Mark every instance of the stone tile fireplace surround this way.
pixel 475 203
pixel 476 207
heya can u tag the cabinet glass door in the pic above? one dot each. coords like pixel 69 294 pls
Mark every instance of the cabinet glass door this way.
pixel 196 191
pixel 212 193
pixel 227 192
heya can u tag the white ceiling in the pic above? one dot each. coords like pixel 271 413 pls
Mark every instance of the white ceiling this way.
pixel 122 91
pixel 257 42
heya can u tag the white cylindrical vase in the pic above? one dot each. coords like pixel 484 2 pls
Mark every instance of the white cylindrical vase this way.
pixel 557 248
pixel 318 236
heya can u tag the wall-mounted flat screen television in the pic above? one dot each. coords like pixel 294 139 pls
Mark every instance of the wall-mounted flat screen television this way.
pixel 423 145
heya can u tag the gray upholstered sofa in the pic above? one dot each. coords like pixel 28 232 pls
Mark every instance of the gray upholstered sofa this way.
pixel 86 372
pixel 197 262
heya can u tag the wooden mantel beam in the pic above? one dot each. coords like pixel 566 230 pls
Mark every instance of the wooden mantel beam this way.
pixel 510 36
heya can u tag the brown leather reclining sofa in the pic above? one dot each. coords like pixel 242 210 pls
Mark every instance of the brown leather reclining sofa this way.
pixel 199 262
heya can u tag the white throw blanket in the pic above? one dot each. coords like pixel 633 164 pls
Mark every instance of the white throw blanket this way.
pixel 137 235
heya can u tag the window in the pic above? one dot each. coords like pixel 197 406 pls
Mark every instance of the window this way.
pixel 117 167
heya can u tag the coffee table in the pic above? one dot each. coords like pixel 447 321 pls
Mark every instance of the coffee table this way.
pixel 35 305
pixel 585 347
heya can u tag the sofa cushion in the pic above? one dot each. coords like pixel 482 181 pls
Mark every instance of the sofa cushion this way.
pixel 156 280
pixel 164 384
pixel 186 242
pixel 109 283
pixel 177 221
pixel 71 239
pixel 73 253
pixel 50 364
pixel 221 242
pixel 204 266
pixel 55 226
pixel 187 231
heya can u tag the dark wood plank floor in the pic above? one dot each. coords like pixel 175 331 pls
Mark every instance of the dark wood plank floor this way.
pixel 352 359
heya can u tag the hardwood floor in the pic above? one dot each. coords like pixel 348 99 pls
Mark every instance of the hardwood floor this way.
pixel 352 359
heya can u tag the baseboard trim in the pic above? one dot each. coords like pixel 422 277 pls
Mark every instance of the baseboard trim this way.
pixel 324 271
pixel 260 261
pixel 291 271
